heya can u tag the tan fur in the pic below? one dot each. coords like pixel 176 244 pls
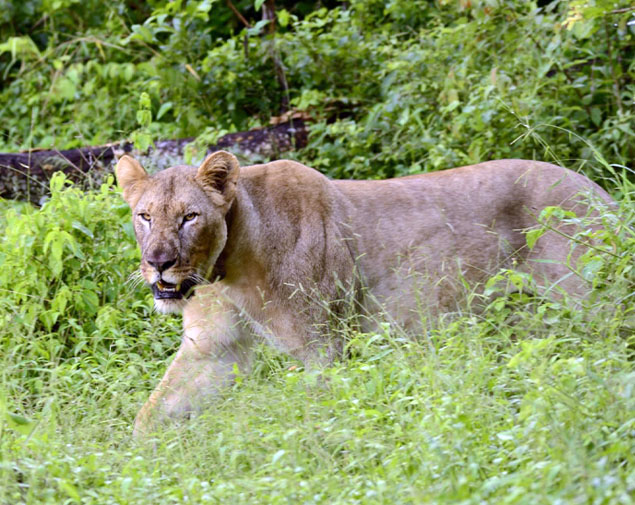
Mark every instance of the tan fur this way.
pixel 296 250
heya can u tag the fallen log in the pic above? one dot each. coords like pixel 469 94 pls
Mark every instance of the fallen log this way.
pixel 26 175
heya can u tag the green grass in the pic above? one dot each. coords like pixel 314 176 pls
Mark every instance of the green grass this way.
pixel 532 401
pixel 470 414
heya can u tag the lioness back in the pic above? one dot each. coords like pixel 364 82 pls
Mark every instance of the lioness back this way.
pixel 460 225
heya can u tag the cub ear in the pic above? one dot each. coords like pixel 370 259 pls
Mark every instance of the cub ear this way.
pixel 218 175
pixel 131 178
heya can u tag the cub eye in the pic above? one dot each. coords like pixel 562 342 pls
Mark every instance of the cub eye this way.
pixel 145 216
pixel 189 217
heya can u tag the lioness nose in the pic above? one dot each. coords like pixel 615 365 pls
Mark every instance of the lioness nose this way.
pixel 161 264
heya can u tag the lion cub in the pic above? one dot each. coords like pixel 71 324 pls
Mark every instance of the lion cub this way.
pixel 275 251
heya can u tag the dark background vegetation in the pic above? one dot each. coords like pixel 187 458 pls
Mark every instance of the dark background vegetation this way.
pixel 393 87
pixel 530 401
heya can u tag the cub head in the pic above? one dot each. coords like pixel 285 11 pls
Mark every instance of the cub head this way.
pixel 179 221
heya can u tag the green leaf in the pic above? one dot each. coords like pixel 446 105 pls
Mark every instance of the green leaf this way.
pixel 258 4
pixel 128 72
pixel 532 236
pixel 276 457
pixel 50 236
pixel 584 29
pixel 16 422
pixel 21 48
pixel 592 267
pixel 163 109
pixel 257 28
pixel 55 258
pixel 140 32
pixel 48 318
pixel 283 17
pixel 555 211
pixel 57 247
pixel 144 117
pixel 91 302
pixel 144 101
pixel 142 140
pixel 63 89
pixel 80 227
pixel 69 489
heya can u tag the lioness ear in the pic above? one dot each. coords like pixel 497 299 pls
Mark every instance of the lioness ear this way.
pixel 218 175
pixel 131 178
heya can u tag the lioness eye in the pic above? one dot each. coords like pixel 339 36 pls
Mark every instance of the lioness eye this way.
pixel 190 216
pixel 145 216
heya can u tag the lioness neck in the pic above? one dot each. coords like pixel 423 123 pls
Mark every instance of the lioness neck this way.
pixel 240 257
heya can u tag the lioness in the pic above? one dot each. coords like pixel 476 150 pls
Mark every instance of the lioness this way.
pixel 274 251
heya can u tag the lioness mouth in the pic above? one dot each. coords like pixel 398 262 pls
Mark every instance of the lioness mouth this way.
pixel 164 290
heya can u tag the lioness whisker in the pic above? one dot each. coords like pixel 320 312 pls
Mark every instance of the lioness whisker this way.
pixel 134 279
pixel 199 278
pixel 134 275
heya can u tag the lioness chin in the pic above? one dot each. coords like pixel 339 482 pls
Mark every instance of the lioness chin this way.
pixel 275 251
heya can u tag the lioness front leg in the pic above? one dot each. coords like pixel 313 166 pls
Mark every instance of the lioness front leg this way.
pixel 213 342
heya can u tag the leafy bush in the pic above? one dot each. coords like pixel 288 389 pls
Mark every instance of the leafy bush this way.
pixel 66 84
pixel 60 264
pixel 66 307
pixel 469 84
pixel 395 87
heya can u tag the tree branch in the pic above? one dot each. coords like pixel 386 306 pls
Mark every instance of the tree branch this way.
pixel 238 14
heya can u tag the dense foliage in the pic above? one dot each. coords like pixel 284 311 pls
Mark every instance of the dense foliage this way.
pixel 531 401
pixel 395 87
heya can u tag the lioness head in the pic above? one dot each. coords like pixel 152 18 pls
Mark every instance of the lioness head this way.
pixel 179 221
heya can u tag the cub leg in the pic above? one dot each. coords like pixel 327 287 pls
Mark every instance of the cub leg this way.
pixel 214 341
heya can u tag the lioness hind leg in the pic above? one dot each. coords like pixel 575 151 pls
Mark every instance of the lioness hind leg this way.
pixel 553 265
pixel 554 260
